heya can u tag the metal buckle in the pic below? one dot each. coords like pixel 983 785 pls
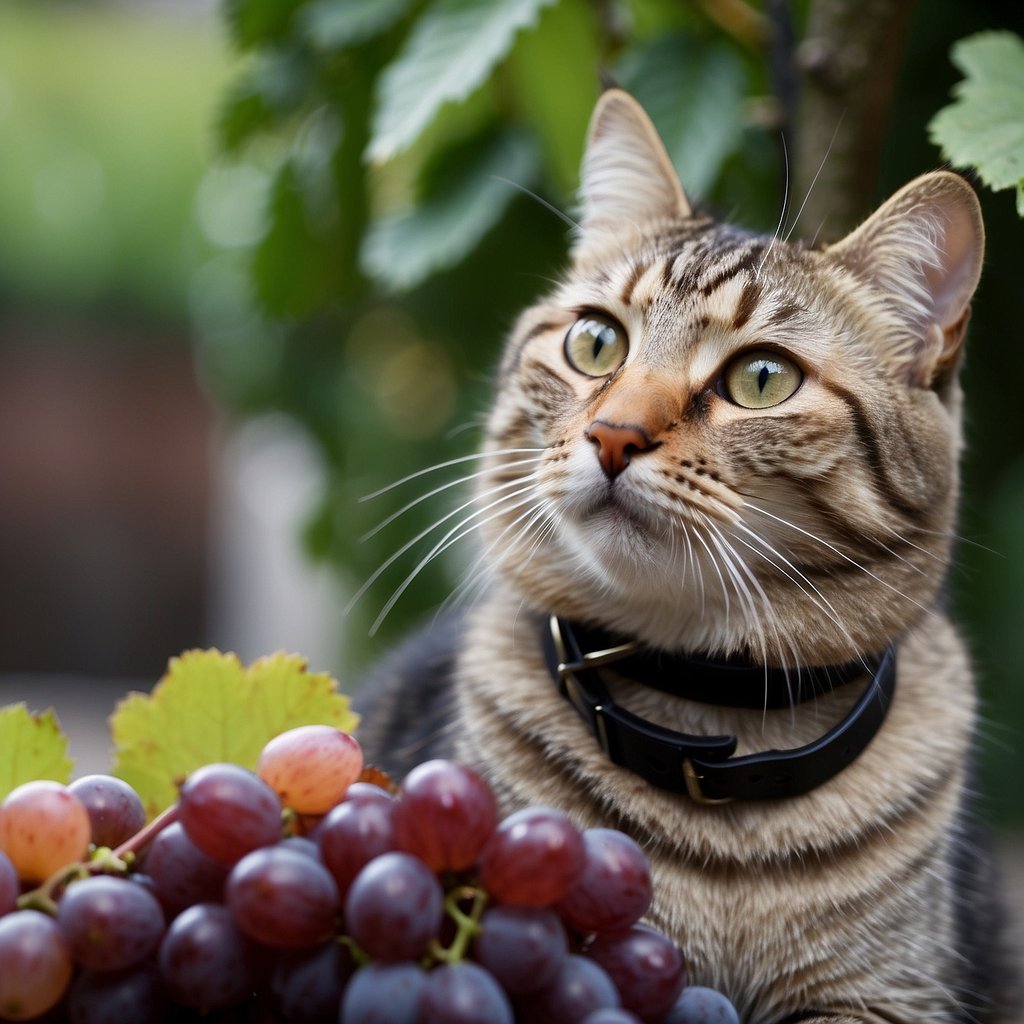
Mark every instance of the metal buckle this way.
pixel 693 787
pixel 594 659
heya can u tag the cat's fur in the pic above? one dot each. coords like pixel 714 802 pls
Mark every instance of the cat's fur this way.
pixel 812 532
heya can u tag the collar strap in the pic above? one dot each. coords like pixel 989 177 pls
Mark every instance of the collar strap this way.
pixel 704 766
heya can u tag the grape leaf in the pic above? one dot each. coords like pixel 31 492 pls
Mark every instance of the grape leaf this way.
pixel 983 127
pixel 32 746
pixel 209 707
pixel 453 47
pixel 402 250
pixel 334 24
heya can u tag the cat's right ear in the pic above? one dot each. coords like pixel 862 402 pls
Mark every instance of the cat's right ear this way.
pixel 627 178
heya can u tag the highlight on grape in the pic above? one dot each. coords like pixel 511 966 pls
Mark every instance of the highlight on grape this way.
pixel 303 894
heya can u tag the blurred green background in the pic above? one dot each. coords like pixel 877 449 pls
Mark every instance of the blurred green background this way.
pixel 221 325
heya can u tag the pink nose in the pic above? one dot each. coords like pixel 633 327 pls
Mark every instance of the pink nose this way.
pixel 616 445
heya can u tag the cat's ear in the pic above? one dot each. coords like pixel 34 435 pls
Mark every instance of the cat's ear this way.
pixel 923 250
pixel 627 178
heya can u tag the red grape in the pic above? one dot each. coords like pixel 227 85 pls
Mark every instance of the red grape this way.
pixel 352 834
pixel 115 809
pixel 462 993
pixel 646 967
pixel 579 988
pixel 37 965
pixel 181 873
pixel 9 887
pixel 523 947
pixel 311 767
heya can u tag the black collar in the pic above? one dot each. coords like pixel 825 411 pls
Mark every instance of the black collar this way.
pixel 703 766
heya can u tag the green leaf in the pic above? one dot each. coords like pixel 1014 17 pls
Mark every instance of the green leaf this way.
pixel 983 127
pixel 402 250
pixel 254 22
pixel 32 746
pixel 208 707
pixel 694 91
pixel 542 74
pixel 335 24
pixel 453 48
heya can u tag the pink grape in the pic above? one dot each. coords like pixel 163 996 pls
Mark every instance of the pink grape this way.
pixel 311 767
pixel 444 815
pixel 115 809
pixel 282 898
pixel 613 890
pixel 228 811
pixel 533 858
pixel 37 965
pixel 43 828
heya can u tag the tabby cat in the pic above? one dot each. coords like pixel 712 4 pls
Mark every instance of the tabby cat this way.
pixel 719 499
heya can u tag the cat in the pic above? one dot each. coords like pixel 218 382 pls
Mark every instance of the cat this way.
pixel 728 458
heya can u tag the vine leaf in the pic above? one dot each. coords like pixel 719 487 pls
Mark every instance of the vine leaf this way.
pixel 209 707
pixel 331 25
pixel 32 746
pixel 451 50
pixel 983 127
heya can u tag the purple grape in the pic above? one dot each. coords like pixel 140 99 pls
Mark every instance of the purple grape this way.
pixel 205 961
pixel 10 889
pixel 36 962
pixel 444 815
pixel 523 947
pixel 394 907
pixel 307 985
pixel 115 809
pixel 699 1005
pixel 534 857
pixel 463 993
pixel 282 898
pixel 367 792
pixel 383 994
pixel 181 873
pixel 646 967
pixel 113 997
pixel 613 890
pixel 352 834
pixel 229 811
pixel 580 987
pixel 611 1015
pixel 109 923
pixel 300 844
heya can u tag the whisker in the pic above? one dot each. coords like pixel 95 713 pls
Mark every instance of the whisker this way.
pixel 782 216
pixel 561 215
pixel 814 180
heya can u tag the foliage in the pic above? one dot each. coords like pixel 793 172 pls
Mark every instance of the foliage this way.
pixel 209 707
pixel 32 746
pixel 984 127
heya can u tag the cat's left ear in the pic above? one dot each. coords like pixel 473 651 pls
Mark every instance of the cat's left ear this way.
pixel 923 250
pixel 627 179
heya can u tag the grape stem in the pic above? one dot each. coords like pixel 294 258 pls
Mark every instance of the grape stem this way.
pixel 467 926
pixel 130 847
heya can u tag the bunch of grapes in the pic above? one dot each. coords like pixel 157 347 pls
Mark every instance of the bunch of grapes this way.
pixel 303 893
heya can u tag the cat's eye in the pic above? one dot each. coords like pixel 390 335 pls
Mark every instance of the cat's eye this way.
pixel 759 380
pixel 596 345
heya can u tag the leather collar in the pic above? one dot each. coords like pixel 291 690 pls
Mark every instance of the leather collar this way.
pixel 704 766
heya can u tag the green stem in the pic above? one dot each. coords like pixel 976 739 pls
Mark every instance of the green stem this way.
pixel 467 926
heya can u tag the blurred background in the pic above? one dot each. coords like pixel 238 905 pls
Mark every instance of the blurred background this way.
pixel 257 258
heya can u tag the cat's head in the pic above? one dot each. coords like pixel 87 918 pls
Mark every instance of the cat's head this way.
pixel 733 442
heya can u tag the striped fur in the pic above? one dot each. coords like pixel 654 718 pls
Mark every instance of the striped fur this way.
pixel 812 532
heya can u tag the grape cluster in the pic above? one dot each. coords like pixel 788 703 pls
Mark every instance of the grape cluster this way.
pixel 301 893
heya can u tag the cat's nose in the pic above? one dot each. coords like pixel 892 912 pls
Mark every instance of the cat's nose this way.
pixel 616 445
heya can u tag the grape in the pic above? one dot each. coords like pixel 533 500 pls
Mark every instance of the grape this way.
pixel 300 844
pixel 37 965
pixel 611 1015
pixel 394 907
pixel 282 898
pixel 523 947
pixel 228 811
pixel 699 1005
pixel 383 994
pixel 646 968
pixel 307 984
pixel 463 993
pixel 533 858
pixel 367 792
pixel 352 834
pixel 9 887
pixel 579 988
pixel 444 815
pixel 113 997
pixel 205 960
pixel 613 890
pixel 310 767
pixel 109 923
pixel 115 810
pixel 43 828
pixel 181 873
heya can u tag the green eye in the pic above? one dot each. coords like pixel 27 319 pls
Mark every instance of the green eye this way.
pixel 759 380
pixel 596 345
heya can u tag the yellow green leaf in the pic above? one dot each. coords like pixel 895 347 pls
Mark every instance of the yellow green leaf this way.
pixel 210 707
pixel 32 746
